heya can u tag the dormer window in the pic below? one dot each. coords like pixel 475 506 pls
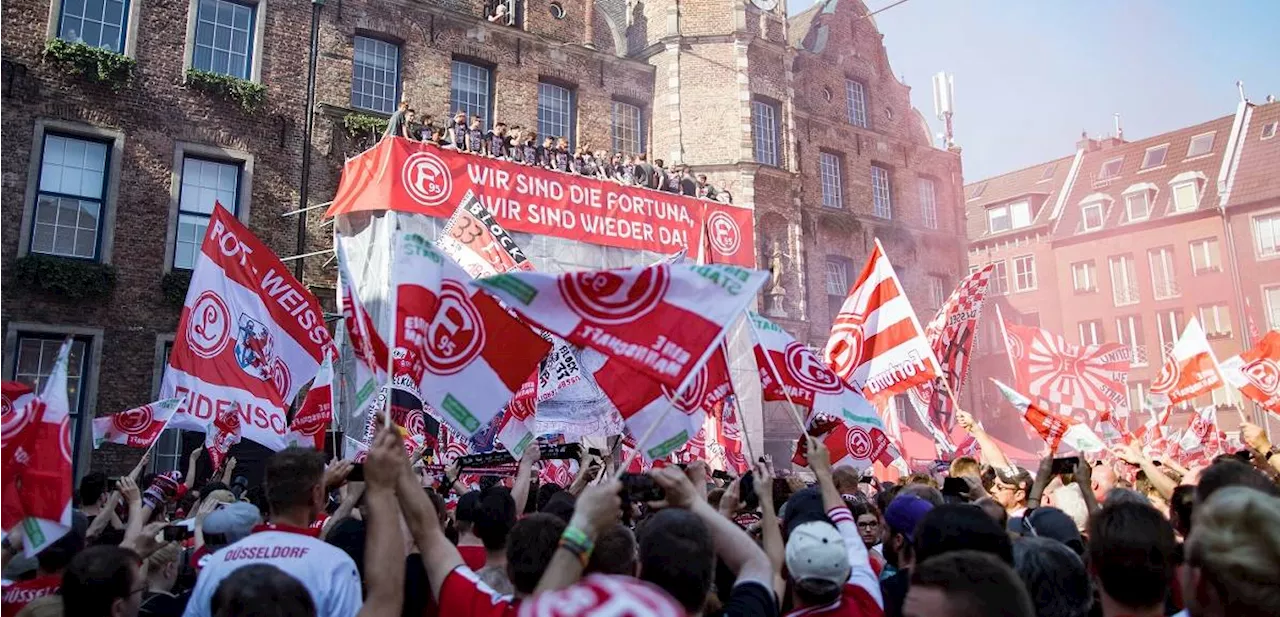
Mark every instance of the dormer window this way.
pixel 1005 217
pixel 1186 188
pixel 1155 156
pixel 1091 216
pixel 1137 201
pixel 1200 144
pixel 1269 130
pixel 1110 169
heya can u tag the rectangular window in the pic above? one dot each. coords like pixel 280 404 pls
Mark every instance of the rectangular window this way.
pixel 628 128
pixel 764 130
pixel 224 38
pixel 1090 332
pixel 36 355
pixel 1110 169
pixel 837 284
pixel 857 103
pixel 1138 395
pixel 998 219
pixel 1155 156
pixel 69 201
pixel 1124 280
pixel 1091 216
pixel 1164 276
pixel 203 183
pixel 1000 279
pixel 471 90
pixel 1200 144
pixel 1269 130
pixel 1216 319
pixel 1186 196
pixel 928 204
pixel 1024 273
pixel 96 23
pixel 1271 300
pixel 1137 206
pixel 375 75
pixel 937 290
pixel 1084 277
pixel 1204 256
pixel 1129 333
pixel 881 192
pixel 1169 326
pixel 556 112
pixel 1266 235
pixel 829 172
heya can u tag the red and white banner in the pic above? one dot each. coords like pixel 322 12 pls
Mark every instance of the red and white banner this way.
pixel 858 445
pixel 138 427
pixel 249 337
pixel 790 370
pixel 1189 370
pixel 661 321
pixel 876 343
pixel 1081 380
pixel 16 396
pixel 1053 428
pixel 225 432
pixel 458 347
pixel 408 176
pixel 1256 373
pixel 312 421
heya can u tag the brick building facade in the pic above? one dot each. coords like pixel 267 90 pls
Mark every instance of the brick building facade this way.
pixel 1126 241
pixel 800 119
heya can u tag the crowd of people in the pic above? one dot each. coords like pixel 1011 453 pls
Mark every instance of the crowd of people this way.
pixel 523 145
pixel 984 539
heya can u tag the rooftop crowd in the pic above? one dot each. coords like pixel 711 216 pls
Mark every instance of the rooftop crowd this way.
pixel 983 539
pixel 524 146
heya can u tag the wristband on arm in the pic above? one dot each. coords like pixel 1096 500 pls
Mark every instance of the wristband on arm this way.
pixel 576 541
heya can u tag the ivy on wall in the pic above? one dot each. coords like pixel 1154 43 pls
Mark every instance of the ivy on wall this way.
pixel 93 63
pixel 68 279
pixel 249 95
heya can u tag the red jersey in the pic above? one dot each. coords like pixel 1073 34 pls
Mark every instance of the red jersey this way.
pixel 474 556
pixel 22 593
pixel 463 594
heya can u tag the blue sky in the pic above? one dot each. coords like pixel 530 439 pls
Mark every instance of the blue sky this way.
pixel 1031 74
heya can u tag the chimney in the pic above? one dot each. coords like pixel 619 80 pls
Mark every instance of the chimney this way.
pixel 1119 129
pixel 1086 144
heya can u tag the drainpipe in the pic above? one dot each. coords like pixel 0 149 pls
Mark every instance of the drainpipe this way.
pixel 305 181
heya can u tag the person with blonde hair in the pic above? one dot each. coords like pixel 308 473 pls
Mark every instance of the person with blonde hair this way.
pixel 161 569
pixel 1233 555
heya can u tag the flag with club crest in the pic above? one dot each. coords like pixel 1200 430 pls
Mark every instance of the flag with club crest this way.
pixel 225 432
pixel 1202 440
pixel 311 422
pixel 249 337
pixel 1256 372
pixel 16 396
pixel 951 333
pixel 37 462
pixel 459 348
pixel 138 427
pixel 859 445
pixel 876 343
pixel 1055 429
pixel 1189 370
pixel 1071 380
pixel 516 430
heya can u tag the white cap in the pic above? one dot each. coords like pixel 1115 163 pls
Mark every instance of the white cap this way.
pixel 817 551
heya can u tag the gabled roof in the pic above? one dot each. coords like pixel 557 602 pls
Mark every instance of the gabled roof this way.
pixel 798 24
pixel 1257 177
pixel 1045 179
pixel 1091 185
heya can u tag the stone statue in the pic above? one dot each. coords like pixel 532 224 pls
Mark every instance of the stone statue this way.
pixel 774 296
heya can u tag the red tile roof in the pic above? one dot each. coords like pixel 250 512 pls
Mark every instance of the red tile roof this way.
pixel 1044 179
pixel 1258 176
pixel 1090 183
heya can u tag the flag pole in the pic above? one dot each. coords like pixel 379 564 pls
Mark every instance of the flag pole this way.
pixel 795 410
pixel 391 299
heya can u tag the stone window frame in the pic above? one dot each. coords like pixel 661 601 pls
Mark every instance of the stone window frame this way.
pixel 160 361
pixel 641 127
pixel 83 440
pixel 111 197
pixel 132 16
pixel 256 45
pixel 244 195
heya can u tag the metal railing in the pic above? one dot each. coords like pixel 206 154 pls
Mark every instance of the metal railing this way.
pixel 1124 295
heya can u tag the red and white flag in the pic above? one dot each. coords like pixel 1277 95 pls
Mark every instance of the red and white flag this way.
pixel 661 321
pixel 1256 373
pixel 876 342
pixel 224 433
pixel 312 421
pixel 458 347
pixel 516 430
pixel 858 445
pixel 1190 370
pixel 478 242
pixel 1053 428
pixel 1081 381
pixel 369 371
pixel 1202 439
pixel 250 335
pixel 138 427
pixel 16 396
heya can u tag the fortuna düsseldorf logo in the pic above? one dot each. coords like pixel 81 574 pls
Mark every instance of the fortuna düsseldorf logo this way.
pixel 64 437
pixel 14 420
pixel 1264 373
pixel 208 325
pixel 806 369
pixel 134 421
pixel 281 377
pixel 608 298
pixel 1015 346
pixel 1169 375
pixel 691 397
pixel 456 334
pixel 844 349
pixel 427 179
pixel 858 443
pixel 724 233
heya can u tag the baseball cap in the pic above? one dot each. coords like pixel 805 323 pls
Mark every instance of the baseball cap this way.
pixel 233 521
pixel 904 514
pixel 816 550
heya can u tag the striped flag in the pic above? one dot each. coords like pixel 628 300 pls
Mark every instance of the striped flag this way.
pixel 1055 429
pixel 877 344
